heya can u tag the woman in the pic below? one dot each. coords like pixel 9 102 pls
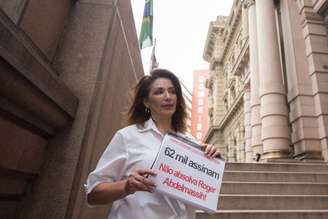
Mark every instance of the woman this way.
pixel 121 175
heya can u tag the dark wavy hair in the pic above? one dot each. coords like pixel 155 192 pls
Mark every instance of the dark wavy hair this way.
pixel 138 114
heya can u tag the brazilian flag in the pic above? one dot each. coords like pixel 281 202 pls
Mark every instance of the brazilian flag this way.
pixel 146 33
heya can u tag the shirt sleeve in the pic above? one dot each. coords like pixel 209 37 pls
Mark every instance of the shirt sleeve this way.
pixel 111 165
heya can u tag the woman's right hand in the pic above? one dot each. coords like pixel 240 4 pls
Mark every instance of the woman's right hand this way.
pixel 138 181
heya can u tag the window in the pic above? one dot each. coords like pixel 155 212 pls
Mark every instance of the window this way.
pixel 199 126
pixel 200 110
pixel 201 79
pixel 233 92
pixel 199 135
pixel 201 94
pixel 226 104
pixel 200 102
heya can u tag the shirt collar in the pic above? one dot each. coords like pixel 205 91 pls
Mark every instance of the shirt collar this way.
pixel 149 125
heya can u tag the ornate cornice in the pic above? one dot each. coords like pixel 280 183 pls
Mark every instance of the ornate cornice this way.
pixel 210 133
pixel 213 31
pixel 230 28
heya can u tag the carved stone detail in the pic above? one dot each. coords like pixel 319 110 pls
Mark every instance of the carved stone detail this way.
pixel 248 3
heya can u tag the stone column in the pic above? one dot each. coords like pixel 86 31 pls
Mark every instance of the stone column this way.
pixel 231 148
pixel 256 126
pixel 245 22
pixel 247 125
pixel 274 113
pixel 218 92
pixel 315 38
pixel 241 142
pixel 302 116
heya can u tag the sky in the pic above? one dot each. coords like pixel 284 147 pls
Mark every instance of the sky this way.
pixel 180 28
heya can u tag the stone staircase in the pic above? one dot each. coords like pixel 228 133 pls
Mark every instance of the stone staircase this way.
pixel 273 190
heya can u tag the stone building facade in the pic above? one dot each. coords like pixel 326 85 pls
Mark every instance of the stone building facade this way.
pixel 268 80
pixel 65 69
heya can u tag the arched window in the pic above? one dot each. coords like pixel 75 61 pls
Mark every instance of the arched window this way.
pixel 226 104
pixel 235 155
pixel 233 92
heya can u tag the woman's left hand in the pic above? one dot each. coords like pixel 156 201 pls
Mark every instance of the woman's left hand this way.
pixel 212 151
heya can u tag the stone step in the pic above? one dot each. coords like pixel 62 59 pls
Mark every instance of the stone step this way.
pixel 280 167
pixel 272 202
pixel 265 214
pixel 280 188
pixel 269 176
pixel 273 190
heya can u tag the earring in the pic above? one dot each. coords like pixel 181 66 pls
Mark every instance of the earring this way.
pixel 147 110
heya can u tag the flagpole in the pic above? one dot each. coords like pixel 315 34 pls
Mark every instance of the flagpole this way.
pixel 153 60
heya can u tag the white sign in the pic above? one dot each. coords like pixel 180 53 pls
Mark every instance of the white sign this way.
pixel 185 173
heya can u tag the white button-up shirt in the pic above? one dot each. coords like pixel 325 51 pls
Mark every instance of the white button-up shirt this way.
pixel 132 148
